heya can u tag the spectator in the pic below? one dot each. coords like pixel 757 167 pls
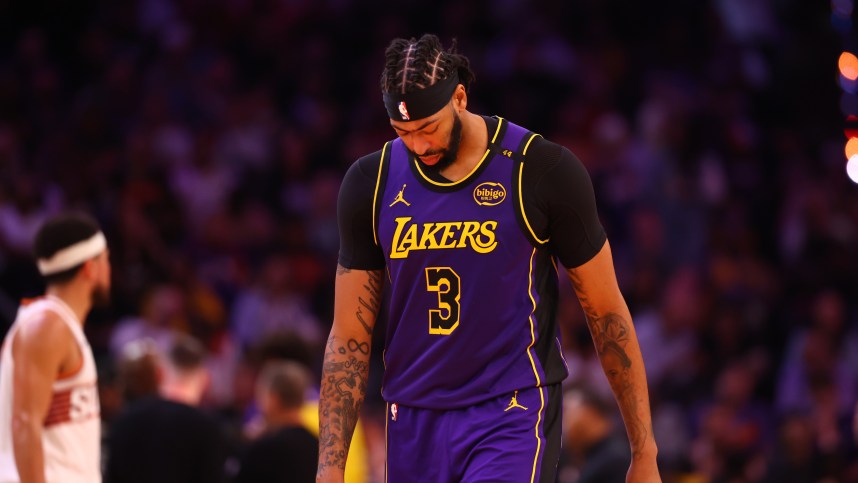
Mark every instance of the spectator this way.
pixel 162 436
pixel 285 451
pixel 162 317
pixel 599 449
pixel 273 307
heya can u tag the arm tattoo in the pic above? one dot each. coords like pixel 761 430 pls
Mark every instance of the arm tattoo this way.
pixel 373 287
pixel 589 312
pixel 344 379
pixel 610 334
pixel 345 372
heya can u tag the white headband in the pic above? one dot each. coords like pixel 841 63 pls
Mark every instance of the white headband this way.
pixel 73 255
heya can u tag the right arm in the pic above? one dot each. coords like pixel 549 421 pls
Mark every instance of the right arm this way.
pixel 357 298
pixel 346 366
pixel 39 349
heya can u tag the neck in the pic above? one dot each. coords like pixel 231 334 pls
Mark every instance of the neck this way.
pixel 184 389
pixel 475 139
pixel 76 296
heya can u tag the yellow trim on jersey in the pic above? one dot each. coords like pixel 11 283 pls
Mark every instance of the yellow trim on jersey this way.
pixel 538 441
pixel 521 206
pixel 533 365
pixel 375 194
pixel 468 176
pixel 530 319
pixel 524 152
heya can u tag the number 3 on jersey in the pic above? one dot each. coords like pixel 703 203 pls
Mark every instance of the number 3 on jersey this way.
pixel 448 285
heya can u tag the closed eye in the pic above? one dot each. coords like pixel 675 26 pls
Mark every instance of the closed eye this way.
pixel 420 129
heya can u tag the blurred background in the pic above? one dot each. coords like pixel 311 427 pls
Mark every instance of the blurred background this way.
pixel 209 138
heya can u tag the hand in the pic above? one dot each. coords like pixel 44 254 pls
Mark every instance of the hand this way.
pixel 643 470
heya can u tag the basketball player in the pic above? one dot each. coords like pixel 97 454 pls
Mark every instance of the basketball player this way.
pixel 49 411
pixel 465 217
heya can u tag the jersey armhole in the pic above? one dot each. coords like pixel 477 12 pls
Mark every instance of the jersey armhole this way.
pixel 70 373
pixel 378 193
pixel 518 196
pixel 15 332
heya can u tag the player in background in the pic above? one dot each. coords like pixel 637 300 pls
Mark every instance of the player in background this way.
pixel 50 427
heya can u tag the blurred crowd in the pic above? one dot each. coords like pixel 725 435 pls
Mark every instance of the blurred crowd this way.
pixel 209 139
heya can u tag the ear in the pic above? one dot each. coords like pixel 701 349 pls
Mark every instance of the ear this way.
pixel 89 270
pixel 460 98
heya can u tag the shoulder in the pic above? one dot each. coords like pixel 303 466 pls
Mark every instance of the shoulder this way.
pixel 543 156
pixel 43 329
pixel 551 172
pixel 361 177
pixel 365 167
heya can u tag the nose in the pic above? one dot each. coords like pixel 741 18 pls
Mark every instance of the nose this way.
pixel 419 144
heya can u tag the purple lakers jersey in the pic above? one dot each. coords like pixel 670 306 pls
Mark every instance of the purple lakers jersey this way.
pixel 472 301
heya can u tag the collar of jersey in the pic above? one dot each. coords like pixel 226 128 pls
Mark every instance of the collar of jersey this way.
pixel 451 185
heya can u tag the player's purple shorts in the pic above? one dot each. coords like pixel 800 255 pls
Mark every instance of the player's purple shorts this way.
pixel 512 438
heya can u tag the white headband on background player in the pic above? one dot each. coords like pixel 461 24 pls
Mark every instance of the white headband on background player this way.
pixel 73 255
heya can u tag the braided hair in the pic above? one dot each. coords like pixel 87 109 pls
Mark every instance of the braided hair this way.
pixel 416 64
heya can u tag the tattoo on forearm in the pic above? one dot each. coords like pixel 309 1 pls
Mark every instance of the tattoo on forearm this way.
pixel 610 334
pixel 355 346
pixel 589 312
pixel 372 302
pixel 344 380
pixel 611 338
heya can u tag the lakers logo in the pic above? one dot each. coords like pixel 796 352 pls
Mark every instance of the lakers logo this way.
pixel 489 194
pixel 408 236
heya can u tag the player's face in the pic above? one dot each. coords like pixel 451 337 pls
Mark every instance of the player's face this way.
pixel 433 140
pixel 101 285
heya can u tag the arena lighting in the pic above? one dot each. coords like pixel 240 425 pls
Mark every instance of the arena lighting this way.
pixel 851 148
pixel 848 65
pixel 850 128
pixel 852 169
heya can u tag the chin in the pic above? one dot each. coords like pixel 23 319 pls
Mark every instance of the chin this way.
pixel 442 163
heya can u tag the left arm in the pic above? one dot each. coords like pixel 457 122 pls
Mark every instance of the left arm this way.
pixel 558 199
pixel 613 334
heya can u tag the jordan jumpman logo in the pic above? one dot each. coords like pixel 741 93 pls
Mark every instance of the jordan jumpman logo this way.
pixel 400 198
pixel 514 403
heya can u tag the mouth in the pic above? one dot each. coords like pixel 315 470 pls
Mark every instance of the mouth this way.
pixel 431 159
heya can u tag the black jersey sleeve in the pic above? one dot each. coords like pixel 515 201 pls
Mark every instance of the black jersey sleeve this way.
pixel 358 249
pixel 560 204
